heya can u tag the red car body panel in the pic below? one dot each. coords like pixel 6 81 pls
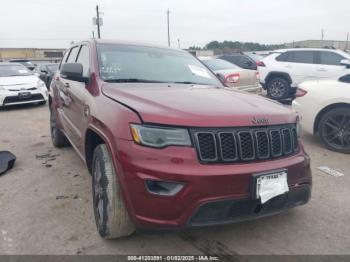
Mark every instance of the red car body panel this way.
pixel 109 109
pixel 185 105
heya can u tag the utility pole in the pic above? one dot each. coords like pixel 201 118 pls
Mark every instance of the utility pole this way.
pixel 178 42
pixel 93 34
pixel 322 37
pixel 168 14
pixel 347 42
pixel 98 22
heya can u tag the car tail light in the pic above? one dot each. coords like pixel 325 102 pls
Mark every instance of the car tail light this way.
pixel 260 63
pixel 300 92
pixel 257 75
pixel 232 78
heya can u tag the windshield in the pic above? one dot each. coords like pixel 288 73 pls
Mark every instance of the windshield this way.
pixel 13 70
pixel 125 63
pixel 219 64
pixel 255 57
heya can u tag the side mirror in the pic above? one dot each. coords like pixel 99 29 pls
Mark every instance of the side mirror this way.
pixel 345 62
pixel 43 71
pixel 73 71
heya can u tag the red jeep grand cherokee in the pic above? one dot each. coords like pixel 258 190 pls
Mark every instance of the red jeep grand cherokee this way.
pixel 168 146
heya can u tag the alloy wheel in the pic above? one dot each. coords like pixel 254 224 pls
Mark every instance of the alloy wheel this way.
pixel 277 89
pixel 99 194
pixel 336 130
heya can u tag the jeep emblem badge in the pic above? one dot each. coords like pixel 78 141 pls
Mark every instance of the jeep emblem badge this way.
pixel 260 121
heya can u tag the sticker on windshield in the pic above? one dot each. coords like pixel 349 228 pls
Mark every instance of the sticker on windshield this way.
pixel 199 71
pixel 22 71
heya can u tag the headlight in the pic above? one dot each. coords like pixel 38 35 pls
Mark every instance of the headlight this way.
pixel 159 136
pixel 41 85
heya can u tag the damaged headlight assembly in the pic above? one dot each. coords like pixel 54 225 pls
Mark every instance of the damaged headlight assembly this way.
pixel 41 85
pixel 160 137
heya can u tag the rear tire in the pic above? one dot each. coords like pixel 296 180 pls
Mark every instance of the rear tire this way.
pixel 111 216
pixel 334 129
pixel 278 88
pixel 58 138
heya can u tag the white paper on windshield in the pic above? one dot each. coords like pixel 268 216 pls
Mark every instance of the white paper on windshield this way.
pixel 199 71
pixel 22 71
pixel 271 185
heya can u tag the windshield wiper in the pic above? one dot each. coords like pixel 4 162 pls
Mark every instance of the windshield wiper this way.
pixel 132 80
pixel 190 83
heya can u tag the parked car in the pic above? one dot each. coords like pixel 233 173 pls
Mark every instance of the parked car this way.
pixel 282 71
pixel 325 110
pixel 45 72
pixel 28 64
pixel 167 145
pixel 18 85
pixel 232 75
pixel 239 59
pixel 256 57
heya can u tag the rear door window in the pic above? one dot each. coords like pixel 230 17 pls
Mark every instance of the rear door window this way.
pixel 302 57
pixel 330 58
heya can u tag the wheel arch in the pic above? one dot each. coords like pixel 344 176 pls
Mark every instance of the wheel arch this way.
pixel 273 74
pixel 93 138
pixel 325 110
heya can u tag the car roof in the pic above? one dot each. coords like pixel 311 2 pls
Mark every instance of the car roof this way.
pixel 122 42
pixel 304 49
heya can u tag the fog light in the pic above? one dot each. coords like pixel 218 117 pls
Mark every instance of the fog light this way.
pixel 163 188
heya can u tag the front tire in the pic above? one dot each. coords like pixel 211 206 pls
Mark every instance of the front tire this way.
pixel 278 88
pixel 334 129
pixel 111 216
pixel 57 137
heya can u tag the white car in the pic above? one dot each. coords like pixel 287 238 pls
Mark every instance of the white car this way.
pixel 18 85
pixel 324 107
pixel 283 70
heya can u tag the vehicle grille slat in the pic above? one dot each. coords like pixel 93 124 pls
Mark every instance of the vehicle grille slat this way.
pixel 287 141
pixel 246 145
pixel 207 146
pixel 238 145
pixel 263 145
pixel 228 146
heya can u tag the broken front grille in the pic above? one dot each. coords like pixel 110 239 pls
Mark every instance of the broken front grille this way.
pixel 234 145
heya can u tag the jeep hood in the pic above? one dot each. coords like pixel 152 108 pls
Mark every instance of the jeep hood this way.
pixel 196 105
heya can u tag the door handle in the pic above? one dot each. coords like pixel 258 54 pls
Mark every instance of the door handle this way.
pixel 66 85
pixel 321 69
pixel 288 66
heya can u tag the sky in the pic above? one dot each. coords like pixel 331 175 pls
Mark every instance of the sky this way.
pixel 56 23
